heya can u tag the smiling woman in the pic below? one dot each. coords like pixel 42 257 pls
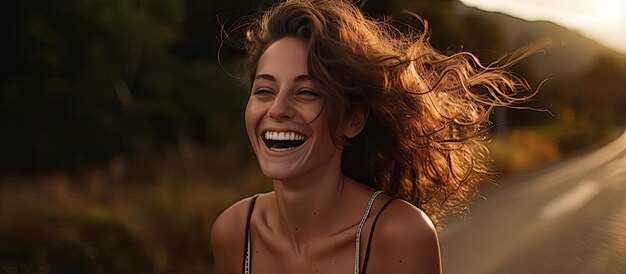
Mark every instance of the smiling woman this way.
pixel 284 102
pixel 366 133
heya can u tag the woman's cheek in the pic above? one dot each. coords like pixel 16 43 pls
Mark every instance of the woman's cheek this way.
pixel 250 118
pixel 311 112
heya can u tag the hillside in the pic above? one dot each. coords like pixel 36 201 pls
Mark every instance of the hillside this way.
pixel 573 51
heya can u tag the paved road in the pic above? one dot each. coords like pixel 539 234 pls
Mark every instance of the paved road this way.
pixel 568 218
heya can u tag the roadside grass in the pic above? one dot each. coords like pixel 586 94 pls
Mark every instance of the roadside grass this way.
pixel 90 224
pixel 526 148
pixel 521 150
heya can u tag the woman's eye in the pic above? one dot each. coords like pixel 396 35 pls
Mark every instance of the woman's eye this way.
pixel 307 92
pixel 262 92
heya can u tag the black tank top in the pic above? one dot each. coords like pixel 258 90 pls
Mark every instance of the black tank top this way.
pixel 247 243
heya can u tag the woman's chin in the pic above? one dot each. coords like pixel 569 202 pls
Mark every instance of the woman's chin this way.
pixel 277 174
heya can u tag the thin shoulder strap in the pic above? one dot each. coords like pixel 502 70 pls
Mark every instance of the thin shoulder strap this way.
pixel 369 241
pixel 246 246
pixel 360 229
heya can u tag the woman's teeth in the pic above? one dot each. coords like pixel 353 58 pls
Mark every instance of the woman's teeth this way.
pixel 280 136
pixel 283 141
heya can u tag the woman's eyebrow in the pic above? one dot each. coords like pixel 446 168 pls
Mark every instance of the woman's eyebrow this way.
pixel 302 78
pixel 269 77
pixel 266 77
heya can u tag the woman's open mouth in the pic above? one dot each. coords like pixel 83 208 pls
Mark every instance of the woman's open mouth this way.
pixel 283 140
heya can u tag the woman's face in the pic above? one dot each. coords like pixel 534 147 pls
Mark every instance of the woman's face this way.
pixel 285 121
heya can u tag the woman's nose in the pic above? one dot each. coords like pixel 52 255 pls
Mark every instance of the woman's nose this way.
pixel 281 108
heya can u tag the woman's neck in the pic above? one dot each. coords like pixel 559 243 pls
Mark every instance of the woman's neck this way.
pixel 309 205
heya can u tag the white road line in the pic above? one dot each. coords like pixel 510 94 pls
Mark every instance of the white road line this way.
pixel 570 200
pixel 615 172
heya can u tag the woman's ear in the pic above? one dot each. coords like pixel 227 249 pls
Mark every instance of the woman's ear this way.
pixel 358 117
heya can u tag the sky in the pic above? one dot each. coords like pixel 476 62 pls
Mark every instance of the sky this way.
pixel 601 20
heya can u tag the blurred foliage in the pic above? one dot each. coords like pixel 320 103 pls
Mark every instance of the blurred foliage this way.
pixel 521 150
pixel 96 79
pixel 102 228
pixel 123 137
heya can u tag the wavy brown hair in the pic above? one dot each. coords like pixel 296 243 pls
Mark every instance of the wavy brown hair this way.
pixel 427 112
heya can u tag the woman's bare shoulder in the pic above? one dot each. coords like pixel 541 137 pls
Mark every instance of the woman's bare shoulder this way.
pixel 227 235
pixel 405 240
pixel 402 216
pixel 232 218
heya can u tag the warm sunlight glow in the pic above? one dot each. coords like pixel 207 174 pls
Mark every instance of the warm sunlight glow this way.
pixel 602 20
pixel 611 11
